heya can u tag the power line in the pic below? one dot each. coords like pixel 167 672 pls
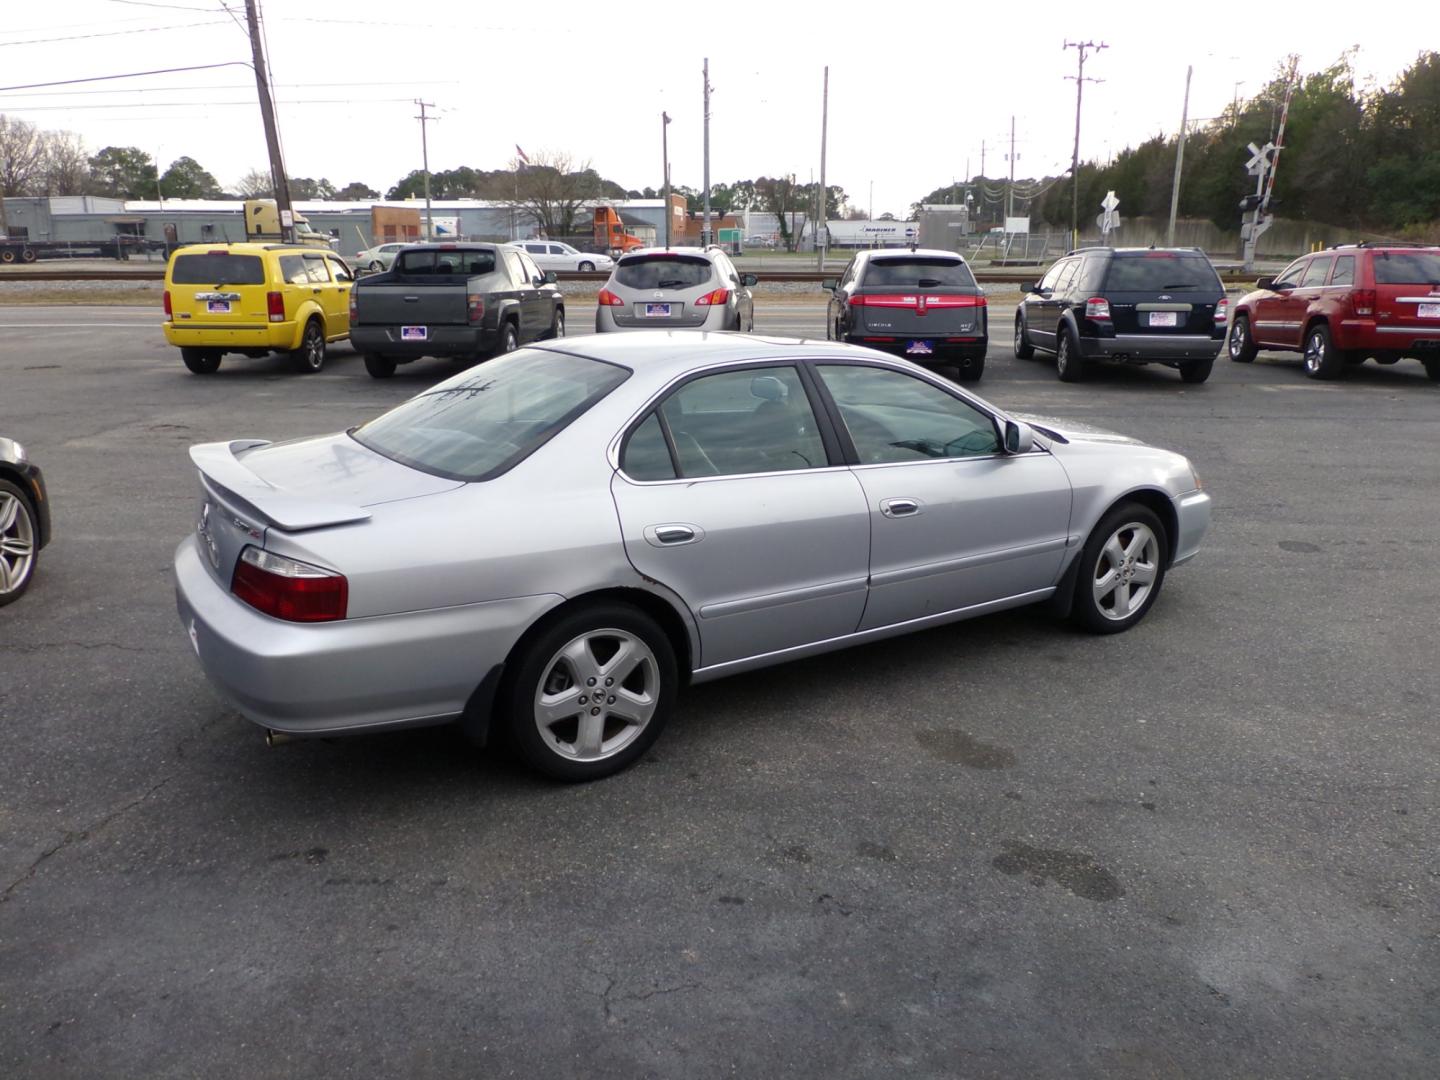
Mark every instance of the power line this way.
pixel 126 75
pixel 114 33
pixel 188 88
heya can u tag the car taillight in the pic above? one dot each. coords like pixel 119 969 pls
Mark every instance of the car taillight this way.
pixel 169 311
pixel 290 590
pixel 474 308
pixel 609 299
pixel 1222 310
pixel 275 304
pixel 856 301
pixel 354 308
pixel 1097 307
pixel 714 299
pixel 1363 301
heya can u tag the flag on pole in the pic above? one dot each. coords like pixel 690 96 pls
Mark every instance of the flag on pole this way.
pixel 521 155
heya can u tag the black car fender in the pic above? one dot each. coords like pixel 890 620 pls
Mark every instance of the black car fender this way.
pixel 504 309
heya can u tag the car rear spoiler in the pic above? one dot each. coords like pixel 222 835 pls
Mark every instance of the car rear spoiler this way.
pixel 220 468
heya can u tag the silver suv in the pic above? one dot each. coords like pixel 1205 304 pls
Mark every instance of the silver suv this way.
pixel 676 289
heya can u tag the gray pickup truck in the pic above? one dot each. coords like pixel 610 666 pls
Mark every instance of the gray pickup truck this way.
pixel 465 301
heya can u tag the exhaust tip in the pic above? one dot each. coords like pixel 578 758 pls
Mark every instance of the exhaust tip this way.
pixel 277 738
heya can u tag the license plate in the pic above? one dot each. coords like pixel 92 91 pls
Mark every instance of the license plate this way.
pixel 217 307
pixel 414 333
pixel 1429 311
pixel 657 311
pixel 1162 318
pixel 919 348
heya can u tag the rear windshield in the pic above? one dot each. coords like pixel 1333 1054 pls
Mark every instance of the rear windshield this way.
pixel 1407 268
pixel 480 423
pixel 918 273
pixel 469 263
pixel 217 268
pixel 662 272
pixel 1160 270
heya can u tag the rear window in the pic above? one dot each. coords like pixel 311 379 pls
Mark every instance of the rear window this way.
pixel 217 268
pixel 662 272
pixel 918 273
pixel 1407 268
pixel 469 263
pixel 480 423
pixel 1159 270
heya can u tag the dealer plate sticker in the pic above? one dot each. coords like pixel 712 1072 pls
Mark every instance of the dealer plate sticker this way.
pixel 1162 318
pixel 657 311
pixel 217 307
pixel 919 348
pixel 414 333
pixel 1429 311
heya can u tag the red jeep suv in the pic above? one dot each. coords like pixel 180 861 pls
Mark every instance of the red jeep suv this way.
pixel 1345 305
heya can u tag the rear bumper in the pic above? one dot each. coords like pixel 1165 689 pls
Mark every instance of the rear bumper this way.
pixel 1192 513
pixel 1165 349
pixel 274 336
pixel 439 341
pixel 973 348
pixel 406 670
pixel 1363 335
pixel 717 318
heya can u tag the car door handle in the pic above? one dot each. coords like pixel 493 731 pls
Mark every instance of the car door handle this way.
pixel 411 299
pixel 899 507
pixel 673 534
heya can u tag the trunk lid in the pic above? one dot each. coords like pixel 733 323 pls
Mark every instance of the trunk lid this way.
pixel 928 314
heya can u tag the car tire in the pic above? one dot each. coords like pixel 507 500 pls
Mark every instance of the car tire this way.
pixel 19 542
pixel 1432 367
pixel 375 266
pixel 1128 543
pixel 586 268
pixel 1242 347
pixel 1023 349
pixel 309 358
pixel 1197 371
pixel 379 367
pixel 1322 359
pixel 969 369
pixel 1068 364
pixel 509 339
pixel 201 361
pixel 548 699
pixel 557 328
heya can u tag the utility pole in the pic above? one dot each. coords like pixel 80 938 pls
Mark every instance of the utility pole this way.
pixel 982 158
pixel 705 230
pixel 1179 160
pixel 1010 192
pixel 425 161
pixel 1080 80
pixel 820 230
pixel 272 133
pixel 665 161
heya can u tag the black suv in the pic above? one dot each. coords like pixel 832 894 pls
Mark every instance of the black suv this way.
pixel 920 303
pixel 1135 305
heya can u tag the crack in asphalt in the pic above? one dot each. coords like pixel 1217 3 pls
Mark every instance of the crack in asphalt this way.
pixel 37 646
pixel 608 1000
pixel 77 837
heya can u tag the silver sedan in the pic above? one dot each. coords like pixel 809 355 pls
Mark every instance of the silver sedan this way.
pixel 559 539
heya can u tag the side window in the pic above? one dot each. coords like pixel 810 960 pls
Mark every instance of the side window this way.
pixel 516 267
pixel 556 249
pixel 531 270
pixel 1053 275
pixel 535 249
pixel 340 271
pixel 292 270
pixel 753 421
pixel 849 274
pixel 1315 273
pixel 1067 276
pixel 1293 273
pixel 894 417
pixel 315 271
pixel 1344 272
pixel 646 455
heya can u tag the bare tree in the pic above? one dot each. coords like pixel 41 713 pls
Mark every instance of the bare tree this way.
pixel 22 153
pixel 552 192
pixel 255 184
pixel 65 167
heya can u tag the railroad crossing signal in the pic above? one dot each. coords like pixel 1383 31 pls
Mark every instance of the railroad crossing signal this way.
pixel 1259 158
pixel 1110 219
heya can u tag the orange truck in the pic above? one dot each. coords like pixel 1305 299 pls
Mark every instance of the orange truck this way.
pixel 610 234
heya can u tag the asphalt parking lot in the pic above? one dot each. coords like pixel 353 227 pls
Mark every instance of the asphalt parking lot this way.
pixel 1203 848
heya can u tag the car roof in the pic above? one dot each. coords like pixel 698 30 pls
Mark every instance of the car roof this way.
pixel 700 252
pixel 907 253
pixel 247 247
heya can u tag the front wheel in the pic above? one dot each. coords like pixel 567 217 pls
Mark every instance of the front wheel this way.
pixel 310 356
pixel 1068 364
pixel 1197 371
pixel 19 543
pixel 375 265
pixel 1322 359
pixel 586 268
pixel 1121 570
pixel 379 367
pixel 591 692
pixel 1023 349
pixel 201 361
pixel 1243 349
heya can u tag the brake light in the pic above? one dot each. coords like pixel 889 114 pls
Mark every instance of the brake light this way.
pixel 1097 307
pixel 275 304
pixel 474 308
pixel 290 590
pixel 354 308
pixel 169 311
pixel 1363 301
pixel 1222 310
pixel 609 299
pixel 714 299
pixel 857 301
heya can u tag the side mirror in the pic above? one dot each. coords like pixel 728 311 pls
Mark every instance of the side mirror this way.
pixel 1019 438
pixel 830 284
pixel 550 277
pixel 1265 283
pixel 1029 287
pixel 750 279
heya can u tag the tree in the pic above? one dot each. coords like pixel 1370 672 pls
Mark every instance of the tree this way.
pixel 357 191
pixel 186 179
pixel 66 166
pixel 255 184
pixel 22 156
pixel 124 172
pixel 552 192
pixel 302 187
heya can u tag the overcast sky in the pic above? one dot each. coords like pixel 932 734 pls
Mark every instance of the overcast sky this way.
pixel 915 88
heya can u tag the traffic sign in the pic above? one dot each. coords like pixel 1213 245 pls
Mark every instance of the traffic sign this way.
pixel 1110 202
pixel 1259 158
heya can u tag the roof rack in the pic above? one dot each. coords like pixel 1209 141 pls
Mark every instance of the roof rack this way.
pixel 1383 244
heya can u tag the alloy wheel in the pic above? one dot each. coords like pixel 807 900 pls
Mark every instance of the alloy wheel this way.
pixel 1126 570
pixel 17 543
pixel 1315 347
pixel 597 695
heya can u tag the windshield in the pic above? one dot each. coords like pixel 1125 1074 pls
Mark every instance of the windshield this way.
pixel 217 268
pixel 918 273
pixel 662 272
pixel 446 261
pixel 1159 270
pixel 1407 268
pixel 480 423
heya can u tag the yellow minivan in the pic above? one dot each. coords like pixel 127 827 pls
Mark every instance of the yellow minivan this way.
pixel 255 299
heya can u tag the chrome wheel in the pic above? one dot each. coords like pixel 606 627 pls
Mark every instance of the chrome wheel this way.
pixel 1126 570
pixel 310 356
pixel 17 545
pixel 597 695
